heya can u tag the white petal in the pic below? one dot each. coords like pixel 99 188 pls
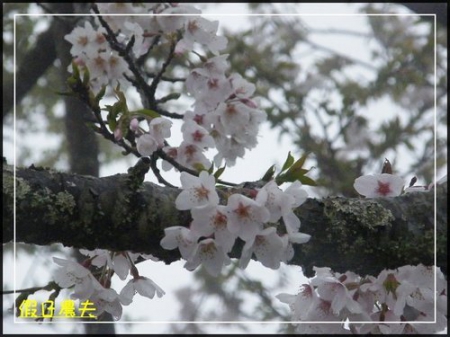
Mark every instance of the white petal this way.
pixel 127 293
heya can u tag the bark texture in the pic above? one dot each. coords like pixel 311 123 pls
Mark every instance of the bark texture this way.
pixel 120 213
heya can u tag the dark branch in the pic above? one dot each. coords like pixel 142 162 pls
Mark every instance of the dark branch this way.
pixel 362 235
pixel 34 64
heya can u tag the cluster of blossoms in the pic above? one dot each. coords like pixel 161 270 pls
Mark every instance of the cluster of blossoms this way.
pixel 91 49
pixel 255 220
pixel 224 115
pixel 98 289
pixel 397 301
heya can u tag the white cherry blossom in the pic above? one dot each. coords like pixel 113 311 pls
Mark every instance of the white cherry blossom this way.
pixel 196 134
pixel 245 216
pixel 197 191
pixel 180 237
pixel 107 300
pixel 190 155
pixel 299 303
pixel 159 128
pixel 379 185
pixel 116 261
pixel 86 40
pixel 212 219
pixel 146 144
pixel 228 149
pixel 210 255
pixel 74 274
pixel 142 286
pixel 267 247
pixel 203 31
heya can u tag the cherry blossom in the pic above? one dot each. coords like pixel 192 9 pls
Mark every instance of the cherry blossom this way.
pixel 141 285
pixel 86 40
pixel 212 220
pixel 245 216
pixel 190 155
pixel 282 203
pixel 203 31
pixel 107 300
pixel 159 128
pixel 394 300
pixel 146 144
pixel 74 274
pixel 116 261
pixel 196 134
pixel 228 148
pixel 379 185
pixel 180 237
pixel 210 255
pixel 267 247
pixel 197 191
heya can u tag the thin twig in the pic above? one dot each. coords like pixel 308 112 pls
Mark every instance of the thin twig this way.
pixel 166 63
pixel 156 171
pixel 182 168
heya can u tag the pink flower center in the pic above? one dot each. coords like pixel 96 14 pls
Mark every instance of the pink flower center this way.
pixel 100 38
pixel 190 151
pixel 260 240
pixel 213 83
pixel 199 119
pixel 242 211
pixel 192 26
pixel 172 152
pixel 201 192
pixel 83 40
pixel 231 109
pixel 220 220
pixel 197 136
pixel 383 188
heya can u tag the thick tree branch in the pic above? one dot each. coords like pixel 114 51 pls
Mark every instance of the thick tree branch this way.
pixel 362 235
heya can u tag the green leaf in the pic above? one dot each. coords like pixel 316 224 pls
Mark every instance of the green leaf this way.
pixel 288 163
pixel 269 173
pixel 307 181
pixel 75 71
pixel 295 172
pixel 219 172
pixel 169 97
pixel 199 167
pixel 211 169
pixel 67 93
pixel 72 81
pixel 101 93
pixel 86 76
pixel 298 164
pixel 123 124
pixel 146 113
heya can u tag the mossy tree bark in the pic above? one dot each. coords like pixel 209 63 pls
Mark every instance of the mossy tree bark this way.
pixel 120 213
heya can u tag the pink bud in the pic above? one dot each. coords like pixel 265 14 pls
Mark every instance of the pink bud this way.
pixel 79 61
pixel 118 134
pixel 134 125
pixel 249 103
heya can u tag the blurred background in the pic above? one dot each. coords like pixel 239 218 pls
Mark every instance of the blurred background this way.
pixel 344 82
